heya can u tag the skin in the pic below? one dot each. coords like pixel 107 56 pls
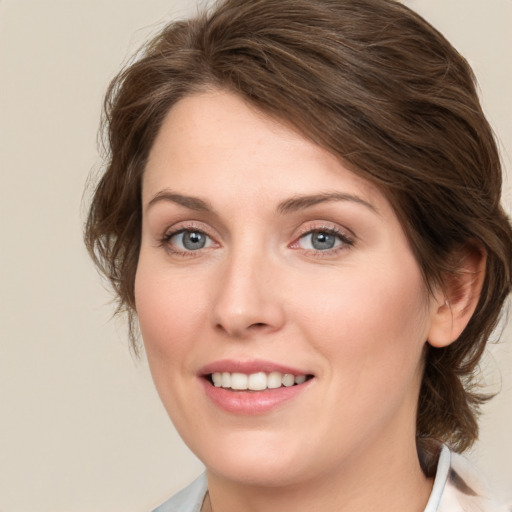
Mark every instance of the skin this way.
pixel 356 317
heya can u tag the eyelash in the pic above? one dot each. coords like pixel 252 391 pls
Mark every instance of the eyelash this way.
pixel 165 240
pixel 346 241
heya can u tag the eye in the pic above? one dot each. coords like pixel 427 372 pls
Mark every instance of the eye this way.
pixel 188 240
pixel 323 240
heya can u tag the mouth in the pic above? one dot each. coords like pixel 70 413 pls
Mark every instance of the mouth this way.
pixel 258 381
pixel 248 388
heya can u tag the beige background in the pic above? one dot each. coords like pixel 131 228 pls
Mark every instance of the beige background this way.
pixel 81 428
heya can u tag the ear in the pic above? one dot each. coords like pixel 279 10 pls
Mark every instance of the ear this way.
pixel 457 297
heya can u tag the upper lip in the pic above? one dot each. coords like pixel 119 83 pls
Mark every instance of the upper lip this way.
pixel 249 367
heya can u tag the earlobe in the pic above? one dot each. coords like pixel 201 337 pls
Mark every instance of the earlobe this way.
pixel 455 303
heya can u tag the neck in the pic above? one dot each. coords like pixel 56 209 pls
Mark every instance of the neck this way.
pixel 387 481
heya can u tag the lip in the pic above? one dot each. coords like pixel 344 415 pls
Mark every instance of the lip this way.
pixel 248 367
pixel 250 403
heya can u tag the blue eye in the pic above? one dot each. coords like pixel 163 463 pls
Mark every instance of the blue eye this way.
pixel 190 240
pixel 323 240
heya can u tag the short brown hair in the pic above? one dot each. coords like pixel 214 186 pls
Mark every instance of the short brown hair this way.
pixel 376 85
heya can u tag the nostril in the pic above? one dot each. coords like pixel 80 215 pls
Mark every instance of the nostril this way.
pixel 257 325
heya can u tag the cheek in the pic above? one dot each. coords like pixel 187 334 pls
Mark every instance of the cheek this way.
pixel 370 321
pixel 167 311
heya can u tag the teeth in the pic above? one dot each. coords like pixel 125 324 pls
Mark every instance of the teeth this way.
pixel 274 380
pixel 239 381
pixel 300 379
pixel 288 380
pixel 217 379
pixel 255 381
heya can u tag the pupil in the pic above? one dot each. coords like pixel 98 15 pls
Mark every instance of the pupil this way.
pixel 193 240
pixel 322 241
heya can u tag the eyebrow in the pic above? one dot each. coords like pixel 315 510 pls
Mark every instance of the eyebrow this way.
pixel 296 203
pixel 306 201
pixel 190 202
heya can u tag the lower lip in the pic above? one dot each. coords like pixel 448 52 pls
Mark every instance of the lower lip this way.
pixel 252 402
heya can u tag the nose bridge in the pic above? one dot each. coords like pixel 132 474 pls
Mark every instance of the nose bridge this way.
pixel 247 299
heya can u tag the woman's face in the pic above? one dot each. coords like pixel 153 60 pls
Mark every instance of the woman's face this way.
pixel 263 262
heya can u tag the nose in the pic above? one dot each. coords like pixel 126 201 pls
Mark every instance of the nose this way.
pixel 248 300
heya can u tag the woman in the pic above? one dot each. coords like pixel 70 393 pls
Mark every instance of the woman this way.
pixel 301 211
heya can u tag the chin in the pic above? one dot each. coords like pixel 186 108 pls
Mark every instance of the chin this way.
pixel 261 458
pixel 255 472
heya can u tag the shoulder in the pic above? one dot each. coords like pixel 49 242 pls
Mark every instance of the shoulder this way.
pixel 189 499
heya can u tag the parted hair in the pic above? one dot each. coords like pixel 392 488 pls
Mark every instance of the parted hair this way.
pixel 377 86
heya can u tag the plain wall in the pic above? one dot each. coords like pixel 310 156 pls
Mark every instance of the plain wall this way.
pixel 81 428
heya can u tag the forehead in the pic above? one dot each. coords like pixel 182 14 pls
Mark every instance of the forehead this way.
pixel 215 144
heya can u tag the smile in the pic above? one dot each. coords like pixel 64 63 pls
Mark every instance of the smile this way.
pixel 258 381
pixel 253 387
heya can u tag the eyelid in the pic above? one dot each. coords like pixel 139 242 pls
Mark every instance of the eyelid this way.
pixel 346 236
pixel 188 225
pixel 182 227
pixel 323 225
